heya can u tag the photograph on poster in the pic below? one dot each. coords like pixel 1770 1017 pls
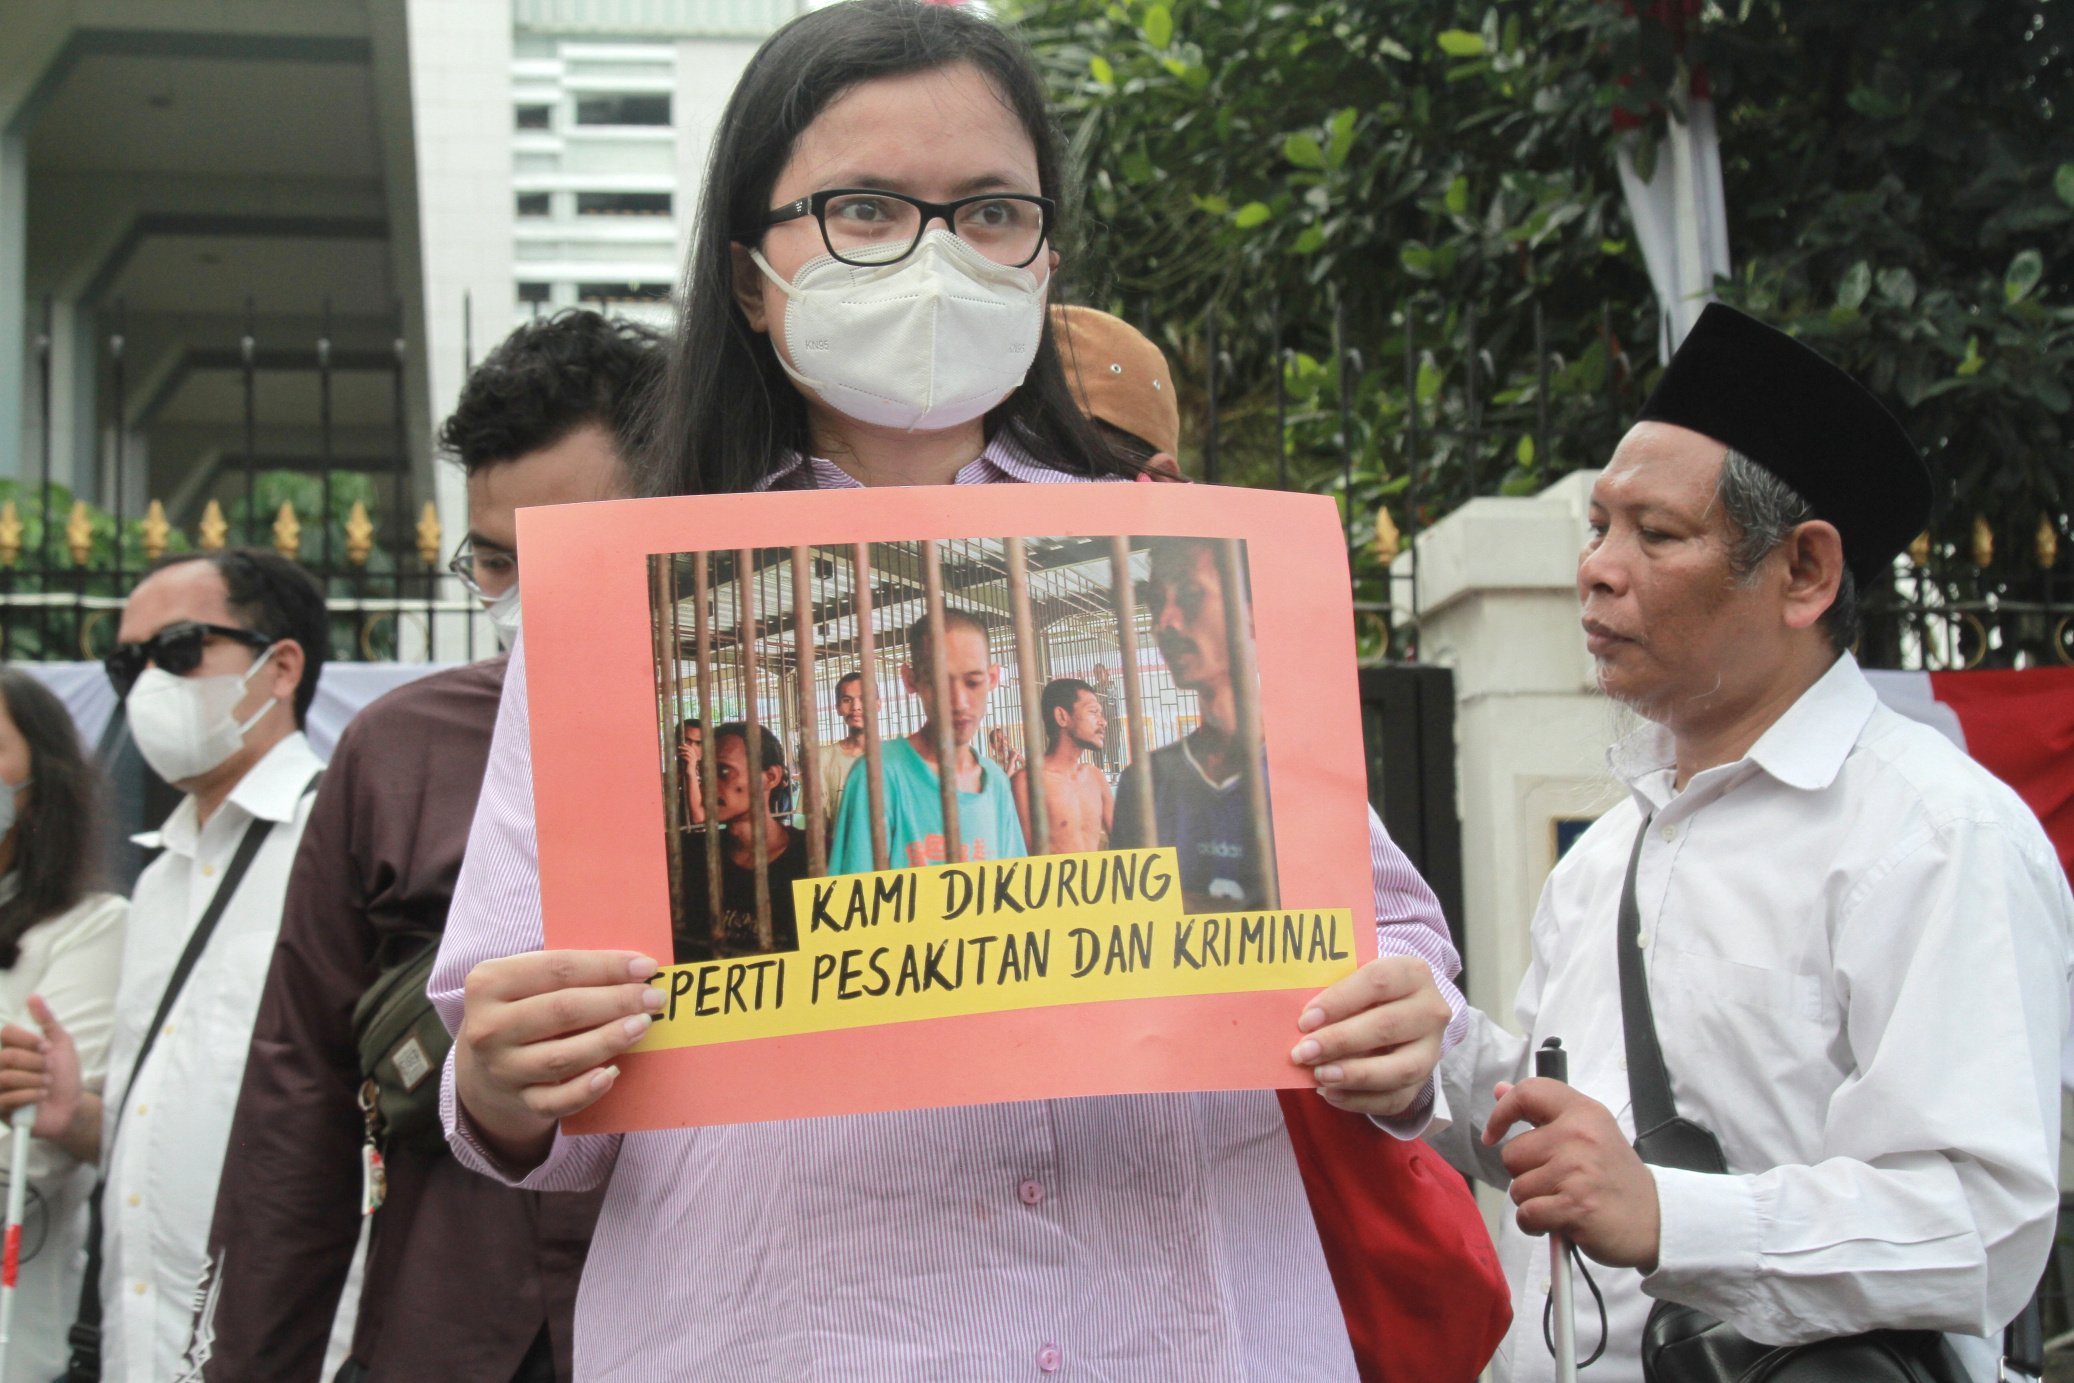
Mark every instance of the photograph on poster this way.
pixel 738 708
pixel 1095 694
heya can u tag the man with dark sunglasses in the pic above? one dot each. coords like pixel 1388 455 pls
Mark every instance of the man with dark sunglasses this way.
pixel 217 659
pixel 465 1278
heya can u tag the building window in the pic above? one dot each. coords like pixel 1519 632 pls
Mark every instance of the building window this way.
pixel 622 204
pixel 623 292
pixel 534 204
pixel 623 110
pixel 535 292
pixel 534 117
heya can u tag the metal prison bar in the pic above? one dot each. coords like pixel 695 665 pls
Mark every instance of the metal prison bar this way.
pixel 1042 597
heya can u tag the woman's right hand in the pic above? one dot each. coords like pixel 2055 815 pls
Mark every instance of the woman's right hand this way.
pixel 538 1035
pixel 41 1069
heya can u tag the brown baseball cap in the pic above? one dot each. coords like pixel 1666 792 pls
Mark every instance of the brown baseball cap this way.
pixel 1118 376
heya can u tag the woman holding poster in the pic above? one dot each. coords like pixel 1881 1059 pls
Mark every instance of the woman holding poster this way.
pixel 865 307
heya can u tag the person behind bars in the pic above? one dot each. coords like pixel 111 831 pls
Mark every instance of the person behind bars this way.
pixel 738 932
pixel 1078 805
pixel 988 828
pixel 1198 782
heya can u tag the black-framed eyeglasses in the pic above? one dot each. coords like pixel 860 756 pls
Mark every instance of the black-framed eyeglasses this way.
pixel 177 649
pixel 867 227
pixel 486 574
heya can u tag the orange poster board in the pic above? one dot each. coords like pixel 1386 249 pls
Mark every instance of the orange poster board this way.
pixel 1194 864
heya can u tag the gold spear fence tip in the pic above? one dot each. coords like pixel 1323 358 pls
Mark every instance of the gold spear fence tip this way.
pixel 213 530
pixel 10 535
pixel 155 531
pixel 1919 550
pixel 79 533
pixel 2047 542
pixel 359 535
pixel 428 534
pixel 1983 542
pixel 287 532
pixel 1388 541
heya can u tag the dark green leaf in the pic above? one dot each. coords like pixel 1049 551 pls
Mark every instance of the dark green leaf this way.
pixel 2023 275
pixel 1856 283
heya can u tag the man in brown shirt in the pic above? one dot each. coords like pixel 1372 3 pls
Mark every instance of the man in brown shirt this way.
pixel 465 1279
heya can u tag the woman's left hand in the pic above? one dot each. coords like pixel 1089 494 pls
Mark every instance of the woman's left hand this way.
pixel 1373 1039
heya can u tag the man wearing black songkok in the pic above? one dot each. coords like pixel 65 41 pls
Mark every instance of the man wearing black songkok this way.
pixel 1856 943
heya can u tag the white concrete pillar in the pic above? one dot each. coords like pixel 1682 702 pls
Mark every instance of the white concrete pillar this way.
pixel 460 87
pixel 1498 604
pixel 15 382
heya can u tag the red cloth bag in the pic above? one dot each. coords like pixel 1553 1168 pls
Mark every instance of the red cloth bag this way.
pixel 1418 1279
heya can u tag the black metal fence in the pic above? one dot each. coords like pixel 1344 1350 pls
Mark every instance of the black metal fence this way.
pixel 359 523
pixel 363 526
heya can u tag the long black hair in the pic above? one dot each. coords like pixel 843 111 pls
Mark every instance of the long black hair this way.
pixel 55 845
pixel 727 414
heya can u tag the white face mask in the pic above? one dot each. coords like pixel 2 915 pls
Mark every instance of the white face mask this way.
pixel 503 611
pixel 183 725
pixel 926 343
pixel 7 805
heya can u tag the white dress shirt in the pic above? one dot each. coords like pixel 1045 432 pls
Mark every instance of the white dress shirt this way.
pixel 162 1165
pixel 1858 947
pixel 72 960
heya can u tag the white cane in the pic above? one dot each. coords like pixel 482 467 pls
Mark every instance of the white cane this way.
pixel 1552 1062
pixel 17 1201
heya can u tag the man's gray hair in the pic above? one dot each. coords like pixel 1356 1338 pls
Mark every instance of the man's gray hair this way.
pixel 1763 509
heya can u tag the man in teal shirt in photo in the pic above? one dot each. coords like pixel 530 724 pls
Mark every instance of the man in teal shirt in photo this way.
pixel 988 828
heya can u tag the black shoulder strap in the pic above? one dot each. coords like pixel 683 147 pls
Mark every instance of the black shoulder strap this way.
pixel 1661 1136
pixel 85 1337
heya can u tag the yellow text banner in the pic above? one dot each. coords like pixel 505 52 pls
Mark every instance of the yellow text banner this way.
pixel 994 935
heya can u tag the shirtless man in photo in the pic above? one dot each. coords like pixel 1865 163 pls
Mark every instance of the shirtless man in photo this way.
pixel 1078 804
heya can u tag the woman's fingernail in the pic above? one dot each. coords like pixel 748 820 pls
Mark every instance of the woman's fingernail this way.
pixel 653 999
pixel 641 967
pixel 1329 1075
pixel 1313 1019
pixel 603 1077
pixel 636 1025
pixel 1307 1051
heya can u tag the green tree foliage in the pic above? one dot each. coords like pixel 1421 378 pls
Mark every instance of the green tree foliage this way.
pixel 1360 167
pixel 1900 192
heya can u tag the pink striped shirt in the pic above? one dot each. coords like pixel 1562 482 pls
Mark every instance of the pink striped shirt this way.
pixel 1118 1237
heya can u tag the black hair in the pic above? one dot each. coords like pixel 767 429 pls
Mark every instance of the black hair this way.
pixel 918 636
pixel 853 675
pixel 773 751
pixel 728 415
pixel 56 851
pixel 1125 442
pixel 549 378
pixel 1061 694
pixel 273 596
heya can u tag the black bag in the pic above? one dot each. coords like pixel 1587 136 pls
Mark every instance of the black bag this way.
pixel 402 1045
pixel 1683 1345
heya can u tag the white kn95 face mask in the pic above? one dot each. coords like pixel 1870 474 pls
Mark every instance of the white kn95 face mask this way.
pixel 922 344
pixel 183 725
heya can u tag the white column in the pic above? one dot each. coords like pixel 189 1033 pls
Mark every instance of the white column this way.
pixel 1498 604
pixel 15 382
pixel 460 83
